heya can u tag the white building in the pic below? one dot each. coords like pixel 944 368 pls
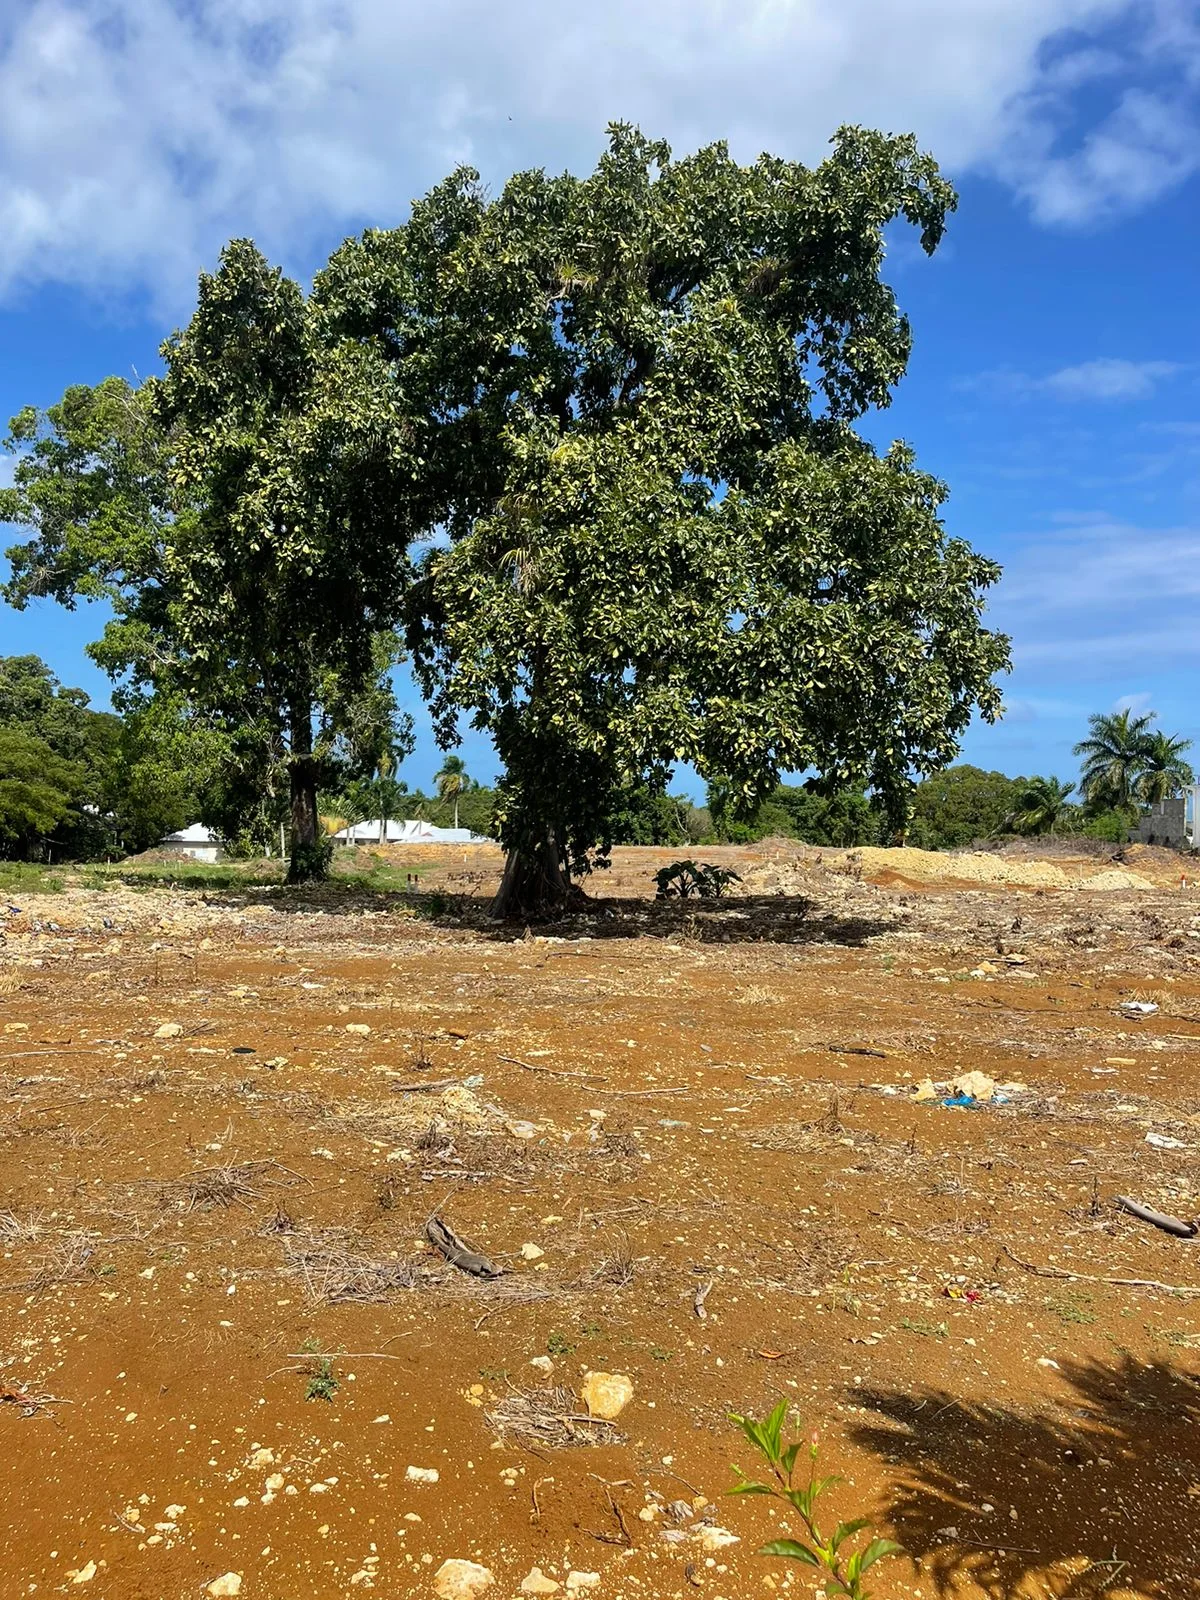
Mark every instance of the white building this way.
pixel 414 831
pixel 197 841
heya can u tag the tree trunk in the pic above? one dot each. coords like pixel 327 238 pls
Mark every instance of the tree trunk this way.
pixel 456 812
pixel 534 883
pixel 307 860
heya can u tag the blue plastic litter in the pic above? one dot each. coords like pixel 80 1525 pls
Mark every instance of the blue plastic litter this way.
pixel 965 1102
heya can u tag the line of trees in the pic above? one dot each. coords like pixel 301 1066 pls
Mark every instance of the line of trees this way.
pixel 585 451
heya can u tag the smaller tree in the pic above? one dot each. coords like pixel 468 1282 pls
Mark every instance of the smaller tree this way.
pixel 1164 771
pixel 953 808
pixel 452 781
pixel 1040 807
pixel 37 791
pixel 1113 758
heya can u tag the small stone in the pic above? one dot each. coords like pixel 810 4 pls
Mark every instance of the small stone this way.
pixel 532 1252
pixel 169 1030
pixel 261 1458
pixel 925 1090
pixel 421 1474
pixel 226 1586
pixel 582 1580
pixel 1045 1361
pixel 361 1028
pixel 84 1574
pixel 538 1583
pixel 713 1539
pixel 242 1500
pixel 275 1482
pixel 462 1580
pixel 543 1364
pixel 606 1394
pixel 174 1511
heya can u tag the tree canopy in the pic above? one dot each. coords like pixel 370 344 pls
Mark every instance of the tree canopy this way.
pixel 665 542
pixel 590 445
pixel 229 513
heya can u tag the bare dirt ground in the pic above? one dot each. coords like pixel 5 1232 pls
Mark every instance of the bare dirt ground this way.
pixel 228 1117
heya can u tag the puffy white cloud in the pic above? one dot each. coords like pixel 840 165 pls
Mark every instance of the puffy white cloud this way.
pixel 136 135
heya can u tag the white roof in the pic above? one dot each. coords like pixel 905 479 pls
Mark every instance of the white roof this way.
pixel 414 831
pixel 196 833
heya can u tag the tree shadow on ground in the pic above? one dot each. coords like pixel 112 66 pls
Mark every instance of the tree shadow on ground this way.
pixel 741 919
pixel 744 919
pixel 1105 1485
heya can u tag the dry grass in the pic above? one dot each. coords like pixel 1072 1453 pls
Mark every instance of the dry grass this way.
pixel 226 1186
pixel 334 1272
pixel 15 1230
pixel 550 1417
pixel 70 1261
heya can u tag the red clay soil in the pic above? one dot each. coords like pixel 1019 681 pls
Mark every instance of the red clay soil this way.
pixel 228 1118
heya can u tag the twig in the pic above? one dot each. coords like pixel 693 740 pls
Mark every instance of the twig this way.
pixel 1087 1277
pixel 856 1050
pixel 700 1297
pixel 643 1094
pixel 1007 1549
pixel 426 1088
pixel 552 1072
pixel 533 1495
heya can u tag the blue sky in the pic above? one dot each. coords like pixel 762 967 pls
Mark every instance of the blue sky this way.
pixel 1056 372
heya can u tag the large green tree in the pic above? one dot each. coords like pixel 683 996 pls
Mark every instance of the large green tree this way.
pixel 244 516
pixel 1113 757
pixel 667 541
pixel 1164 771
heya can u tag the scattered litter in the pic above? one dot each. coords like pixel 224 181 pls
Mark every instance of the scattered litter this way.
pixel 1138 1008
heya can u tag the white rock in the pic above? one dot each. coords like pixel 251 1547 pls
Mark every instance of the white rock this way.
pixel 174 1511
pixel 84 1574
pixel 226 1586
pixel 421 1474
pixel 169 1030
pixel 358 1027
pixel 532 1252
pixel 261 1458
pixel 461 1580
pixel 275 1482
pixel 713 1538
pixel 538 1583
pixel 606 1394
pixel 543 1364
pixel 582 1580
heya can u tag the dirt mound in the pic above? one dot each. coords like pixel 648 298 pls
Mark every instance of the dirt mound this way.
pixel 944 868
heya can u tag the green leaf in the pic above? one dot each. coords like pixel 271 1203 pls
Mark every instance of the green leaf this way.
pixel 792 1548
pixel 844 1530
pixel 877 1549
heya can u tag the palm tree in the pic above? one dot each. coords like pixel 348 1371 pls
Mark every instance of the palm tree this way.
pixel 452 780
pixel 1164 771
pixel 1114 757
pixel 1039 806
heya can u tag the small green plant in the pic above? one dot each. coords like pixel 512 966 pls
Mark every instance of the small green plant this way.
pixel 322 1384
pixel 842 1570
pixel 1073 1308
pixel 699 878
pixel 559 1345
pixel 927 1330
pixel 657 1353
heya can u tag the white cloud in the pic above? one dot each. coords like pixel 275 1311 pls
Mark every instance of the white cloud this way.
pixel 1086 598
pixel 136 135
pixel 1104 378
pixel 1109 379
